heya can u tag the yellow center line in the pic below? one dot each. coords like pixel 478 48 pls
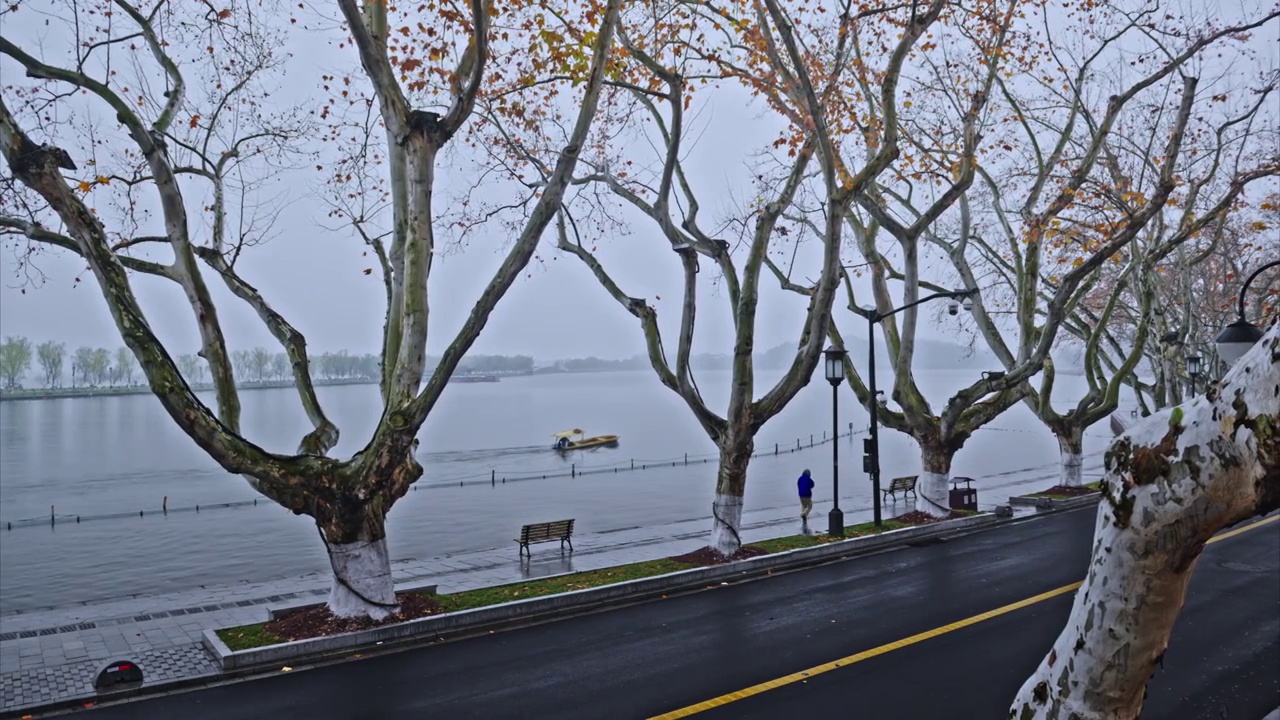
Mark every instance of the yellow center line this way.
pixel 899 644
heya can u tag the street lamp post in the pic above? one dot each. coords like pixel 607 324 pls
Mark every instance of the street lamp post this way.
pixel 1236 339
pixel 1193 370
pixel 871 448
pixel 835 374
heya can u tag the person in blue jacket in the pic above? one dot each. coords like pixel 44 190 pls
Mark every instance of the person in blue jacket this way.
pixel 805 485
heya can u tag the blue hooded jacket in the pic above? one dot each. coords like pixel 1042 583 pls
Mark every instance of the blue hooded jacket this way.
pixel 805 484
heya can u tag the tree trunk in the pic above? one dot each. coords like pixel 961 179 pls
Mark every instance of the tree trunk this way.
pixel 1173 481
pixel 931 489
pixel 1071 450
pixel 354 533
pixel 731 483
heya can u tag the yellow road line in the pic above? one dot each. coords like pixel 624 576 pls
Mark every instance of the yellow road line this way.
pixel 899 644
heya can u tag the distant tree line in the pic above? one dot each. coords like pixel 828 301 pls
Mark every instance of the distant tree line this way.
pixel 99 367
pixel 89 367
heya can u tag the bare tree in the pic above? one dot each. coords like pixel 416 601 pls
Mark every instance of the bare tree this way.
pixel 50 354
pixel 1172 482
pixel 799 61
pixel 174 131
pixel 1033 241
pixel 15 360
pixel 124 367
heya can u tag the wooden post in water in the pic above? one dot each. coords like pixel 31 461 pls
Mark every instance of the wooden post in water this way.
pixel 573 470
pixel 52 521
pixel 493 478
pixel 164 505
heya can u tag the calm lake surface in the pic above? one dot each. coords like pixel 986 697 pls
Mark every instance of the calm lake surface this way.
pixel 91 456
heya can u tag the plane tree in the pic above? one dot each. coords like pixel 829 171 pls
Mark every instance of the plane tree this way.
pixel 132 117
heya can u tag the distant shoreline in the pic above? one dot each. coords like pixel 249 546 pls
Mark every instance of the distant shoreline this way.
pixel 90 392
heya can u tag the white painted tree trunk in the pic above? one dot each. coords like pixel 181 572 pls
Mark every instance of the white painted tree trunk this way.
pixel 1071 451
pixel 362 584
pixel 933 485
pixel 731 485
pixel 726 524
pixel 1173 481
pixel 934 493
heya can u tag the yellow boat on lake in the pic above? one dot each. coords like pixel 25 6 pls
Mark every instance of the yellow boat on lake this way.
pixel 566 440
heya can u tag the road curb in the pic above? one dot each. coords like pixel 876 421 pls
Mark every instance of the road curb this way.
pixel 552 606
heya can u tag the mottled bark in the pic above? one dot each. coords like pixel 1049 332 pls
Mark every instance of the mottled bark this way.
pixel 1173 481
pixel 931 487
pixel 1071 451
pixel 731 484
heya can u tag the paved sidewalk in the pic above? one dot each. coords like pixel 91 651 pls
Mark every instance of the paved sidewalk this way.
pixel 52 655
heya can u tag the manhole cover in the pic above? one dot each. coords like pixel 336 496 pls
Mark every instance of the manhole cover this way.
pixel 1244 567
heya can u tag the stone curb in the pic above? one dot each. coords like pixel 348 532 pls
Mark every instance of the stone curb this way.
pixel 1044 503
pixel 542 608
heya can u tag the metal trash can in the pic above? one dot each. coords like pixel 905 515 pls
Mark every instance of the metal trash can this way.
pixel 963 498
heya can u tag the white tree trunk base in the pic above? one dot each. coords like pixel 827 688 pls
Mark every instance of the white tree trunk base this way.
pixel 726 524
pixel 366 568
pixel 1072 466
pixel 933 496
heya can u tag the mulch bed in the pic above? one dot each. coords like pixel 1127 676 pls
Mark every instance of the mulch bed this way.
pixel 915 517
pixel 1068 490
pixel 706 556
pixel 319 622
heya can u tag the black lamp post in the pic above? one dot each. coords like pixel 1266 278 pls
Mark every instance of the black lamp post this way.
pixel 1236 339
pixel 835 375
pixel 1193 370
pixel 871 446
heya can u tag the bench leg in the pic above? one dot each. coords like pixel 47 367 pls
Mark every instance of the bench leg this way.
pixel 566 540
pixel 524 550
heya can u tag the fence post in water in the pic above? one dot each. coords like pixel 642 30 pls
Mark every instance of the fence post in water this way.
pixel 686 458
pixel 775 448
pixel 633 463
pixel 811 441
pixel 164 505
pixel 797 443
pixel 52 521
pixel 493 475
pixel 573 470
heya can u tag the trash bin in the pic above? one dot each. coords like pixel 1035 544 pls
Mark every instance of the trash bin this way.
pixel 963 498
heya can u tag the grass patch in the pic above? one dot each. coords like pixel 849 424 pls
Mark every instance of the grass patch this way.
pixel 483 597
pixel 795 542
pixel 246 637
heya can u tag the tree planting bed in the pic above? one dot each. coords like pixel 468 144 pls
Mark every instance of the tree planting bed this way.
pixel 317 622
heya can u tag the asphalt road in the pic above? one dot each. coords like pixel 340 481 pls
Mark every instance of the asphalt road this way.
pixel 651 658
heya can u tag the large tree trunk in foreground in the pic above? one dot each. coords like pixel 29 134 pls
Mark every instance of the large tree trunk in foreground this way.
pixel 356 540
pixel 731 483
pixel 932 489
pixel 1071 450
pixel 1173 481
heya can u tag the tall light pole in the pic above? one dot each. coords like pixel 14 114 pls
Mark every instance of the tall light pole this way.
pixel 1193 370
pixel 1236 339
pixel 835 374
pixel 871 448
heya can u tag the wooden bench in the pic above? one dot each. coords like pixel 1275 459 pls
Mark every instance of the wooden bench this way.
pixel 905 485
pixel 546 532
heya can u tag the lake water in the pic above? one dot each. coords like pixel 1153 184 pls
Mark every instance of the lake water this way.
pixel 90 456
